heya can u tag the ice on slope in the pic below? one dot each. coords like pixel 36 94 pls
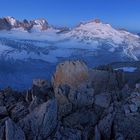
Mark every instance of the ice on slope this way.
pixel 91 35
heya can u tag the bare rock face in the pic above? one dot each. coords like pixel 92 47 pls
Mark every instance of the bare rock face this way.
pixel 2 128
pixel 127 127
pixel 65 133
pixel 103 100
pixel 19 111
pixel 71 86
pixel 13 132
pixel 82 96
pixel 71 73
pixel 105 126
pixel 81 117
pixel 105 80
pixel 41 122
pixel 41 91
pixel 3 112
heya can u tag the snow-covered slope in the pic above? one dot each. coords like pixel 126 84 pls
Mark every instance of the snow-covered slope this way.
pixel 96 31
pixel 30 49
pixel 93 35
pixel 39 25
pixel 10 23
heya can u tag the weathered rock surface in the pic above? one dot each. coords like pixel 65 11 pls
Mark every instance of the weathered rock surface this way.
pixel 65 133
pixel 40 123
pixel 72 86
pixel 103 100
pixel 106 80
pixel 71 73
pixel 19 111
pixel 81 118
pixel 3 112
pixel 78 106
pixel 12 131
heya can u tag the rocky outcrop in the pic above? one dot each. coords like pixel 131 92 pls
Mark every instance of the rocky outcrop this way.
pixel 72 86
pixel 40 123
pixel 3 112
pixel 71 73
pixel 103 100
pixel 106 80
pixel 72 109
pixel 12 131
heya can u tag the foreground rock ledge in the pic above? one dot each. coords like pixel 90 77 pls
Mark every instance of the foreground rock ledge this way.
pixel 80 104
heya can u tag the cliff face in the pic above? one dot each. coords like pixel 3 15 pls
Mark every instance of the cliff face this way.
pixel 79 104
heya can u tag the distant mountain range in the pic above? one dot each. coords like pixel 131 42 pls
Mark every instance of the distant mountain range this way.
pixel 92 34
pixel 28 47
pixel 8 23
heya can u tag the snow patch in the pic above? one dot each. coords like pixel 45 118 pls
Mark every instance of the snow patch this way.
pixel 127 69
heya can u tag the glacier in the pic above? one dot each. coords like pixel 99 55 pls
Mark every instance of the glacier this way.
pixel 25 56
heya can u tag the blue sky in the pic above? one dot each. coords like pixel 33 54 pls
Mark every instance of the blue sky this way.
pixel 119 13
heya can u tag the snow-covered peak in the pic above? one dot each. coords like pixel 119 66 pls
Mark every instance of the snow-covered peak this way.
pixel 39 25
pixel 95 29
pixel 41 21
pixel 11 20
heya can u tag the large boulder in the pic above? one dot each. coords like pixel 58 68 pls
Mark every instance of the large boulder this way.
pixel 71 73
pixel 72 86
pixel 41 122
pixel 12 131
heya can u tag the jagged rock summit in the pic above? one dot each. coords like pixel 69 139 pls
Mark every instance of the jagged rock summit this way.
pixel 10 23
pixel 74 111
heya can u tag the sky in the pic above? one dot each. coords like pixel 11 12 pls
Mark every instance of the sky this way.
pixel 119 13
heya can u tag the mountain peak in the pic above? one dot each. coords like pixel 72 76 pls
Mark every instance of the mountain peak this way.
pixel 11 20
pixel 95 21
pixel 40 24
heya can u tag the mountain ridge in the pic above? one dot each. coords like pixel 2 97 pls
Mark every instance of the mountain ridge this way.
pixel 27 25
